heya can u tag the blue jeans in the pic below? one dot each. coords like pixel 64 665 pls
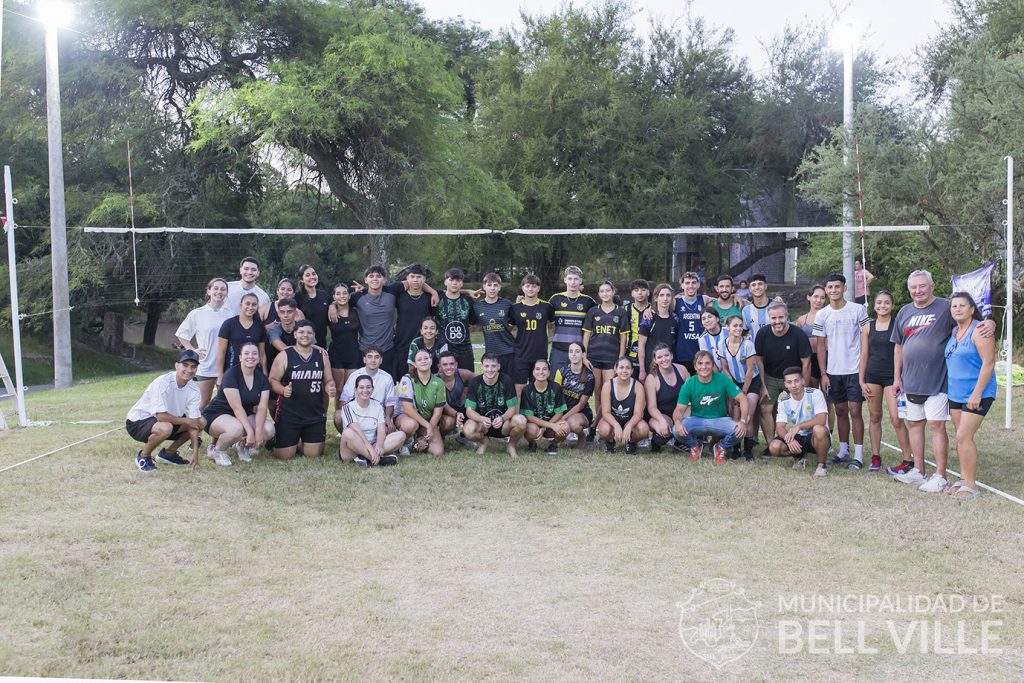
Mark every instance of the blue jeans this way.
pixel 723 427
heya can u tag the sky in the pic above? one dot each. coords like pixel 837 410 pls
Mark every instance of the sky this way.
pixel 891 28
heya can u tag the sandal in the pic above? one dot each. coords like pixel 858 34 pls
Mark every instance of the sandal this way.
pixel 965 492
pixel 953 488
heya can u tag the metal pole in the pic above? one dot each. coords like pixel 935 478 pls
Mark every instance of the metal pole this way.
pixel 12 272
pixel 58 222
pixel 848 128
pixel 1008 320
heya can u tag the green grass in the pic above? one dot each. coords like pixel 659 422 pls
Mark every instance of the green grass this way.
pixel 463 567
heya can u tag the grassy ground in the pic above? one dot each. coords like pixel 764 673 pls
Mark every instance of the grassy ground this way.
pixel 471 568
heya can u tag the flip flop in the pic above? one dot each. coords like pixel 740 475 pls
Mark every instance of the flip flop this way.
pixel 965 492
pixel 953 488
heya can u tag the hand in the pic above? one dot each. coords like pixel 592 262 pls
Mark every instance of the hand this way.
pixel 825 384
pixel 627 432
pixel 286 390
pixel 986 328
pixel 195 459
pixel 741 430
pixel 378 450
pixel 260 436
pixel 794 447
pixel 497 422
pixel 680 429
pixel 332 389
pixel 196 423
pixel 477 293
pixel 649 313
pixel 897 386
pixel 974 401
pixel 488 422
pixel 250 437
pixel 434 300
pixel 790 434
pixel 586 361
pixel 374 456
pixel 358 287
pixel 459 419
pixel 202 353
pixel 332 313
pixel 865 389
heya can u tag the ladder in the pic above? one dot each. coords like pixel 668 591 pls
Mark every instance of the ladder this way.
pixel 10 393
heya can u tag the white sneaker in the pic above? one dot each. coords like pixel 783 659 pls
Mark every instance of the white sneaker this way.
pixel 800 464
pixel 572 436
pixel 644 443
pixel 935 484
pixel 221 458
pixel 911 476
pixel 404 450
pixel 820 472
pixel 209 451
pixel 244 454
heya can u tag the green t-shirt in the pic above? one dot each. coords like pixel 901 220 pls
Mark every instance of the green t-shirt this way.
pixel 426 397
pixel 708 400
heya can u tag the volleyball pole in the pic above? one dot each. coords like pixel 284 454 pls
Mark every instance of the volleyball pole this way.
pixel 1008 320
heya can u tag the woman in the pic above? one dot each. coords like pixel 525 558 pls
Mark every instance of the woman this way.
pixel 713 335
pixel 237 417
pixel 198 332
pixel 660 328
pixel 313 302
pixel 817 299
pixel 344 326
pixel 577 384
pixel 269 313
pixel 543 406
pixel 604 338
pixel 876 378
pixel 970 363
pixel 662 392
pixel 236 331
pixel 742 364
pixel 623 418
pixel 743 290
pixel 427 341
pixel 422 396
pixel 364 437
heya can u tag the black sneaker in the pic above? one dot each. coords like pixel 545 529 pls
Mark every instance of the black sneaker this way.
pixel 734 454
pixel 678 445
pixel 552 448
pixel 766 453
pixel 655 447
pixel 361 461
pixel 532 447
pixel 839 460
pixel 609 446
pixel 855 465
pixel 630 448
pixel 591 435
pixel 388 460
pixel 144 464
pixel 170 458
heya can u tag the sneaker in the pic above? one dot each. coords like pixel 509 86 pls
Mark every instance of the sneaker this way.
pixel 902 468
pixel 209 451
pixel 170 458
pixel 800 463
pixel 591 435
pixel 719 452
pixel 609 446
pixel 465 441
pixel 631 447
pixel 855 465
pixel 655 447
pixel 820 472
pixel 531 447
pixel 678 445
pixel 144 464
pixel 876 463
pixel 552 448
pixel 221 458
pixel 388 460
pixel 696 451
pixel 244 454
pixel 839 460
pixel 935 484
pixel 766 453
pixel 404 450
pixel 644 443
pixel 911 476
pixel 361 461
pixel 572 437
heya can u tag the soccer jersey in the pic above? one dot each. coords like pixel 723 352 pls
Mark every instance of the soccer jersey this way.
pixel 841 327
pixel 237 335
pixel 658 330
pixel 606 329
pixel 491 400
pixel 454 317
pixel 725 313
pixel 543 404
pixel 531 322
pixel 435 351
pixel 569 313
pixel 494 321
pixel 426 397
pixel 710 343
pixel 754 318
pixel 690 328
pixel 708 400
pixel 574 386
pixel 635 316
pixel 737 362
pixel 803 409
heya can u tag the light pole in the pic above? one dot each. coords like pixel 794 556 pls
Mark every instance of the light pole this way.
pixel 54 16
pixel 843 38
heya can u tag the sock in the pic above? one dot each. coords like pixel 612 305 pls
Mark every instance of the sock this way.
pixel 858 452
pixel 844 450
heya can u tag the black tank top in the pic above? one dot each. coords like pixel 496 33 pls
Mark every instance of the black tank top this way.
pixel 668 395
pixel 272 316
pixel 622 410
pixel 881 352
pixel 306 376
pixel 453 396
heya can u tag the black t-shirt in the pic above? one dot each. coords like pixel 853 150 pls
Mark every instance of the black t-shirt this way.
pixel 315 310
pixel 606 330
pixel 779 353
pixel 659 330
pixel 491 400
pixel 237 335
pixel 531 329
pixel 455 316
pixel 411 312
pixel 233 379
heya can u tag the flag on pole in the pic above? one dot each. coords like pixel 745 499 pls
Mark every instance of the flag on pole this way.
pixel 978 283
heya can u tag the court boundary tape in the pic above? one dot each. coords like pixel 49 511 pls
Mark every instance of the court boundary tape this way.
pixel 58 450
pixel 994 490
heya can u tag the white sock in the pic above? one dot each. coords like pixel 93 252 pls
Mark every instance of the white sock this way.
pixel 844 450
pixel 858 452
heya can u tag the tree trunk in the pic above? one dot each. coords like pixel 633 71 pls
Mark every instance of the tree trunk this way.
pixel 380 250
pixel 153 311
pixel 113 332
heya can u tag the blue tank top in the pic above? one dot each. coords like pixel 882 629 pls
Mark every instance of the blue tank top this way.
pixel 963 365
pixel 690 328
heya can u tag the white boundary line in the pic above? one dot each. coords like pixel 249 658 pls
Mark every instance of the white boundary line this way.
pixel 996 491
pixel 25 462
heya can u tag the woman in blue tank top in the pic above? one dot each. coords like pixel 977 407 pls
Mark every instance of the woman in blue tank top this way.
pixel 970 364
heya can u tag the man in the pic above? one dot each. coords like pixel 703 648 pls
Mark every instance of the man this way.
pixel 376 309
pixel 301 378
pixel 569 309
pixel 413 301
pixel 839 325
pixel 454 413
pixel 491 408
pixel 640 291
pixel 530 316
pixel 249 272
pixel 727 303
pixel 755 315
pixel 168 411
pixel 862 280
pixel 920 332
pixel 804 408
pixel 283 335
pixel 780 345
pixel 455 314
pixel 707 394
pixel 383 388
pixel 689 306
pixel 495 314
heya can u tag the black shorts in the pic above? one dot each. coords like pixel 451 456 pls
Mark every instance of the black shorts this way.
pixel 882 380
pixel 844 389
pixel 755 385
pixel 603 364
pixel 521 369
pixel 465 360
pixel 983 408
pixel 805 441
pixel 495 432
pixel 815 368
pixel 507 362
pixel 345 359
pixel 290 434
pixel 140 430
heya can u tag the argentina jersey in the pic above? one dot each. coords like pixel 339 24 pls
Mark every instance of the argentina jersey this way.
pixel 690 329
pixel 754 318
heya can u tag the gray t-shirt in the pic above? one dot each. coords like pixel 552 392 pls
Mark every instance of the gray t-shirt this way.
pixel 376 317
pixel 923 332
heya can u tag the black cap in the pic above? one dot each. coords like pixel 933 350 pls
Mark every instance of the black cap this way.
pixel 188 355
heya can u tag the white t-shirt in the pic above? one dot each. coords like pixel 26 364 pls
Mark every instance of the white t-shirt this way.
pixel 367 419
pixel 383 388
pixel 203 324
pixel 795 412
pixel 841 326
pixel 236 292
pixel 163 395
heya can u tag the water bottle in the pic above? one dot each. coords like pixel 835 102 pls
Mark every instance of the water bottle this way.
pixel 901 405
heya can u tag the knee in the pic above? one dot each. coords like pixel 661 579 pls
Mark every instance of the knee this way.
pixel 162 430
pixel 518 422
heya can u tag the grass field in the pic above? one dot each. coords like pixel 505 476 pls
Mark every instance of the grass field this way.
pixel 565 568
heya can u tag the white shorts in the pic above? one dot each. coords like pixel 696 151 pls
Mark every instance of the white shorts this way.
pixel 935 408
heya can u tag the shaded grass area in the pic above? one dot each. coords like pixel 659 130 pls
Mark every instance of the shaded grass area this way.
pixel 563 568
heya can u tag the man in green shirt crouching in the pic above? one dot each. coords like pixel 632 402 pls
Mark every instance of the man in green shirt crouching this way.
pixel 707 395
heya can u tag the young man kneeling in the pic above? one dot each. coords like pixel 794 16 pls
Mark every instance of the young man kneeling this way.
pixel 806 410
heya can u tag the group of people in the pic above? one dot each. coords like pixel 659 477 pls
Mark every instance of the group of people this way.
pixel 666 368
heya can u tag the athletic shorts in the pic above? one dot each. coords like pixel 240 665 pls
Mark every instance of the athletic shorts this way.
pixel 983 408
pixel 345 359
pixel 203 378
pixel 603 364
pixel 507 363
pixel 806 443
pixel 882 380
pixel 773 386
pixel 755 385
pixel 559 359
pixel 290 434
pixel 521 369
pixel 935 407
pixel 140 430
pixel 495 432
pixel 465 360
pixel 844 389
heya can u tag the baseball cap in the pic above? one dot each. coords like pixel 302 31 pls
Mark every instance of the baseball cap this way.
pixel 188 355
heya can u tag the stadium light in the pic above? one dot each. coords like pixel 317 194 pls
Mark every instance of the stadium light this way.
pixel 56 15
pixel 844 38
